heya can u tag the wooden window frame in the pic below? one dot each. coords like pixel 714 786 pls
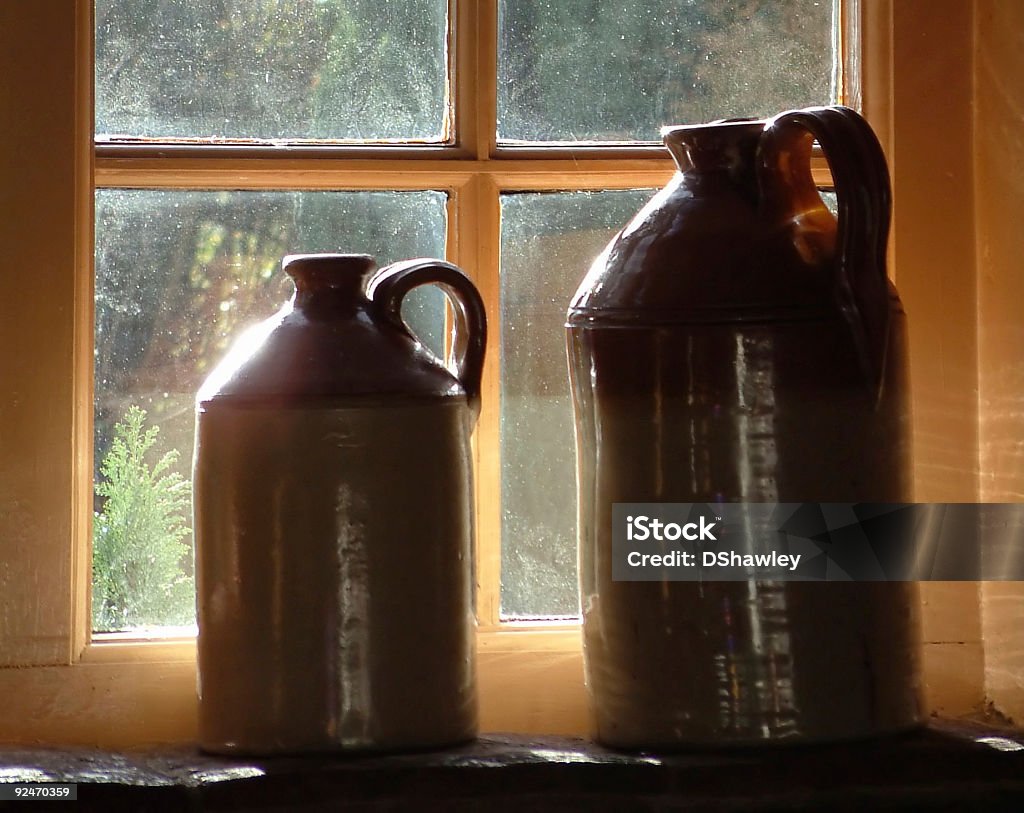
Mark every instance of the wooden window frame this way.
pixel 114 691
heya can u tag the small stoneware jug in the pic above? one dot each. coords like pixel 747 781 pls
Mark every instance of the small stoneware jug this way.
pixel 334 520
pixel 738 343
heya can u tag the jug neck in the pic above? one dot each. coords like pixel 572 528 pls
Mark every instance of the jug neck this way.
pixel 724 145
pixel 327 285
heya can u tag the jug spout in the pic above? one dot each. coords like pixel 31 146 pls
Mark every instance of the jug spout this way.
pixel 325 283
pixel 729 145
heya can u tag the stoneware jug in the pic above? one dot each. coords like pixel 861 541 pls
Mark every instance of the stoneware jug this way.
pixel 737 343
pixel 334 520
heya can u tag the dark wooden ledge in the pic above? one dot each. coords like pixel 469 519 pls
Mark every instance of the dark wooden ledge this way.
pixel 949 766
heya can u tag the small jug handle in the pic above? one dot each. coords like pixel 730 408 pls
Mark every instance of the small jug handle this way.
pixel 465 359
pixel 861 180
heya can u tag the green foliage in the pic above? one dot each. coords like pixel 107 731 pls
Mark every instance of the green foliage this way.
pixel 138 547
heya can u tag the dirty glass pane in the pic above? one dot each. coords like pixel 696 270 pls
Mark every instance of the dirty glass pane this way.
pixel 548 241
pixel 604 70
pixel 179 274
pixel 266 69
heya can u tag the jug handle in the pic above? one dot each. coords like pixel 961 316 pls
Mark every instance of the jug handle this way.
pixel 465 361
pixel 861 179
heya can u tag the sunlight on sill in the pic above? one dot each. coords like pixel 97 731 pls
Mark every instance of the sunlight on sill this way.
pixel 138 635
pixel 1000 743
pixel 187 633
pixel 514 623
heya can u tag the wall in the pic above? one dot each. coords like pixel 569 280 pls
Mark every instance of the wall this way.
pixel 45 368
pixel 999 208
pixel 930 148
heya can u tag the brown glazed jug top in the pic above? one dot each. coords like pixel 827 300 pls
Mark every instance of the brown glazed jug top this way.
pixel 342 335
pixel 741 234
pixel 716 239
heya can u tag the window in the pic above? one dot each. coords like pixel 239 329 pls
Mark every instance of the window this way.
pixel 185 260
pixel 508 168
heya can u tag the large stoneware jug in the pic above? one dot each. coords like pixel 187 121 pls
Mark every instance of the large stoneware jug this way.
pixel 334 521
pixel 737 343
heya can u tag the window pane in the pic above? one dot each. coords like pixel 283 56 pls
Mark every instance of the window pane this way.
pixel 178 275
pixel 548 241
pixel 602 70
pixel 322 69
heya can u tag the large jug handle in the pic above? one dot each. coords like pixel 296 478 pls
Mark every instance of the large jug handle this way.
pixel 465 360
pixel 861 179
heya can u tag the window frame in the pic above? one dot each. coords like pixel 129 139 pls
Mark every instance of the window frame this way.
pixel 120 692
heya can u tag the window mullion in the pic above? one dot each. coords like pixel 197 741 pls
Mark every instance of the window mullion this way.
pixel 283 173
pixel 475 75
pixel 290 173
pixel 474 225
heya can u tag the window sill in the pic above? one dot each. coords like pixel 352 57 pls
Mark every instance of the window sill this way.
pixel 951 765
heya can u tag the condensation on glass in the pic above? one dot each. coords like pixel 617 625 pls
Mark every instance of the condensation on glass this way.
pixel 179 274
pixel 547 243
pixel 598 70
pixel 360 70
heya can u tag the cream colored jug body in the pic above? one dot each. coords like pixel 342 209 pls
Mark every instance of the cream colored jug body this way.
pixel 337 614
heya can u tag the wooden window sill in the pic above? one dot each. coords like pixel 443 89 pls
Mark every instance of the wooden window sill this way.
pixel 951 765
